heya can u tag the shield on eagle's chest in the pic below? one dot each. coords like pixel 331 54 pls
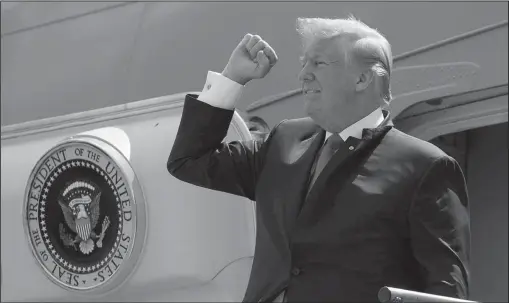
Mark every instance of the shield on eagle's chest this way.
pixel 83 228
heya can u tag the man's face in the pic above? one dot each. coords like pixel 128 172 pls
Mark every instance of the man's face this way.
pixel 329 83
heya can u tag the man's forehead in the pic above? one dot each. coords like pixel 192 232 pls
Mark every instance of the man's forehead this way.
pixel 330 47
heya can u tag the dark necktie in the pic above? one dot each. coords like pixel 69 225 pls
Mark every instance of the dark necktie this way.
pixel 329 148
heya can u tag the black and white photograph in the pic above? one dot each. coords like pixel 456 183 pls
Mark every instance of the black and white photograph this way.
pixel 254 151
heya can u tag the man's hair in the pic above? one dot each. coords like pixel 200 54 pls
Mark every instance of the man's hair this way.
pixel 366 45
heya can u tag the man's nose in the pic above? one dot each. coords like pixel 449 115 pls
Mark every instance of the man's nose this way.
pixel 305 75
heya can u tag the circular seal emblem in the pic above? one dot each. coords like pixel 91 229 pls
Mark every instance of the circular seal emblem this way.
pixel 81 214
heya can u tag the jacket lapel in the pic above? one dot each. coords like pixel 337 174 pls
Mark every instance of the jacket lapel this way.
pixel 339 170
pixel 286 177
pixel 302 158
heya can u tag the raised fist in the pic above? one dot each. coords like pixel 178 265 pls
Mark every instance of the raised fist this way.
pixel 252 59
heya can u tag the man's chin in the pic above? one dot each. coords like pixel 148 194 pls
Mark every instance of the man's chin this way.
pixel 308 107
pixel 311 105
pixel 313 113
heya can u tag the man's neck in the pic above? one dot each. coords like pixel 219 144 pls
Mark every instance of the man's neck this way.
pixel 373 120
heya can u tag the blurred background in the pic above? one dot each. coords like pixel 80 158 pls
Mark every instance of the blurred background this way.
pixel 65 57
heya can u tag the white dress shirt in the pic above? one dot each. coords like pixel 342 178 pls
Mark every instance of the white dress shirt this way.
pixel 372 120
pixel 220 91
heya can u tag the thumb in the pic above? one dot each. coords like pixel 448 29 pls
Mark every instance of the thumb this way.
pixel 263 65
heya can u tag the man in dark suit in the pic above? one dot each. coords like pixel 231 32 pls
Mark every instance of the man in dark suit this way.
pixel 346 204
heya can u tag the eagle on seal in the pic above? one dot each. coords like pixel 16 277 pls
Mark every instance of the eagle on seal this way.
pixel 82 216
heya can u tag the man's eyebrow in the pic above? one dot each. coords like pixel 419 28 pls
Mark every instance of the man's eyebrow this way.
pixel 313 57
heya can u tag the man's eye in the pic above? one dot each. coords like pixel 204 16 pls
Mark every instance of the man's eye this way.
pixel 320 63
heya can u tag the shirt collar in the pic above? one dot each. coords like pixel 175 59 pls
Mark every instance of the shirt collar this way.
pixel 372 120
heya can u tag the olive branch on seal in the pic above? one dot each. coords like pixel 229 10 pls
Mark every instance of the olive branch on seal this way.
pixel 106 223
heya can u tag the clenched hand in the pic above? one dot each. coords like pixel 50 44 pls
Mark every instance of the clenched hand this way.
pixel 252 59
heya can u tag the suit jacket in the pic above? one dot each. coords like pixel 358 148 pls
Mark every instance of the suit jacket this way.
pixel 390 212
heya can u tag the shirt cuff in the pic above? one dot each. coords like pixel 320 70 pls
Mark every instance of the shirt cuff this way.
pixel 220 91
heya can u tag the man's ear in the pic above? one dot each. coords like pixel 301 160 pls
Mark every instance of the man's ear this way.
pixel 364 80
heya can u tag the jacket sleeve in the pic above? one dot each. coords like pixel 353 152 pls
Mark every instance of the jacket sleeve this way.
pixel 200 157
pixel 440 229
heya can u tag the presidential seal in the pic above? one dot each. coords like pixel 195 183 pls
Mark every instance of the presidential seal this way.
pixel 81 214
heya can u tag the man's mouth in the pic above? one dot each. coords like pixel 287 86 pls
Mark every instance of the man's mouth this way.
pixel 311 91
